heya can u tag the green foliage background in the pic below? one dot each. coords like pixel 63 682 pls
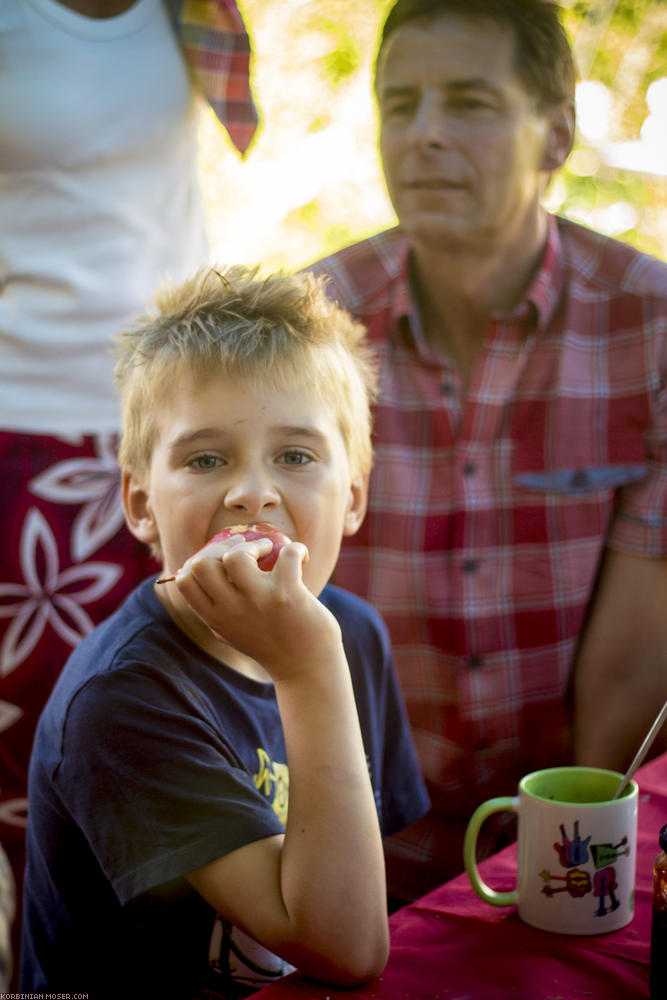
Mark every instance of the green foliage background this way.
pixel 312 182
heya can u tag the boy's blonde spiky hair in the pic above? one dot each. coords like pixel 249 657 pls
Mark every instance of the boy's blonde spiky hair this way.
pixel 278 331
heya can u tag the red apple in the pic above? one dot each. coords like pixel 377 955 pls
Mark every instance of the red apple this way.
pixel 249 532
pixel 252 531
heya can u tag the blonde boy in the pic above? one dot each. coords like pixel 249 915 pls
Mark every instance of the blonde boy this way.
pixel 163 857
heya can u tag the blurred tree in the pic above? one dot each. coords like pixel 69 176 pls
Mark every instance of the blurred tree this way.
pixel 616 179
pixel 312 180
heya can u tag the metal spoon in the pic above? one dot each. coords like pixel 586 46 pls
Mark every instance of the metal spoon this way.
pixel 643 750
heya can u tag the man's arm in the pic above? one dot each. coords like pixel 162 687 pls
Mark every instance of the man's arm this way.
pixel 620 680
pixel 317 896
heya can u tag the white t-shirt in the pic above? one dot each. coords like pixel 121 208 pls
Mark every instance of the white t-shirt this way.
pixel 99 200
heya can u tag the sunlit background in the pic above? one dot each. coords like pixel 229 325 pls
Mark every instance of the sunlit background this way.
pixel 312 182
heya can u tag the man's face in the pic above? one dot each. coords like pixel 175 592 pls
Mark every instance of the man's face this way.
pixel 227 453
pixel 461 141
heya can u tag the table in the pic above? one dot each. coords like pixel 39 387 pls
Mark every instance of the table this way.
pixel 449 945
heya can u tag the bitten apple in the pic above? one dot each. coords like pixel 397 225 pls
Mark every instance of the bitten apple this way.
pixel 250 532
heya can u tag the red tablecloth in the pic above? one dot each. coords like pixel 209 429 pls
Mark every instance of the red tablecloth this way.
pixel 449 945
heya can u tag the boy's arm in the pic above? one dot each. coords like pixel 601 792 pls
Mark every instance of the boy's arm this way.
pixel 317 896
pixel 621 668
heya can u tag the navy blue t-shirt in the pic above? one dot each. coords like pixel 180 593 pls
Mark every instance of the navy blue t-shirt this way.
pixel 151 759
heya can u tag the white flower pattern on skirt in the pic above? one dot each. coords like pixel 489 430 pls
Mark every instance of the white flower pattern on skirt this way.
pixel 53 598
pixel 95 484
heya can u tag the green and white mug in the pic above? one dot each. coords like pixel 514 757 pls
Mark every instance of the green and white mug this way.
pixel 576 852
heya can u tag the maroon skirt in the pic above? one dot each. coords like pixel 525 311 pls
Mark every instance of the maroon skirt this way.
pixel 67 563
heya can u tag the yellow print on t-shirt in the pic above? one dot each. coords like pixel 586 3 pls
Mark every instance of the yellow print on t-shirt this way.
pixel 273 780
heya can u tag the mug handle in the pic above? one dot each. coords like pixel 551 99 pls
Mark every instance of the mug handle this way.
pixel 483 890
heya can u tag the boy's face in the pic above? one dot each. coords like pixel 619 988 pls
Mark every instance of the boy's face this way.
pixel 226 453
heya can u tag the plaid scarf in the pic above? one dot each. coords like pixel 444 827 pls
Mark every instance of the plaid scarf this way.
pixel 217 48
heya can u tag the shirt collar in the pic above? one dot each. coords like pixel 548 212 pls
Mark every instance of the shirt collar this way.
pixel 540 299
pixel 405 321
pixel 544 291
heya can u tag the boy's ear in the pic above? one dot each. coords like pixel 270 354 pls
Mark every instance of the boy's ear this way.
pixel 356 505
pixel 137 507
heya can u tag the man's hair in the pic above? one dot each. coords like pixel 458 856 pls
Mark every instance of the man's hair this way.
pixel 280 331
pixel 543 55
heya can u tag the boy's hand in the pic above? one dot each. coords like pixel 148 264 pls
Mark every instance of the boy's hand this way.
pixel 269 616
pixel 292 892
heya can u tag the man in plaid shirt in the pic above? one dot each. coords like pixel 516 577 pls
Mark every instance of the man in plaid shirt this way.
pixel 516 539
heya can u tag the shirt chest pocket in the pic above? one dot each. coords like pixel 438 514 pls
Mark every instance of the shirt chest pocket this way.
pixel 580 479
pixel 562 519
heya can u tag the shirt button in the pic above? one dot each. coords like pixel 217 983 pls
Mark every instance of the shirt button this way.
pixel 579 480
pixel 469 565
pixel 475 661
pixel 446 388
pixel 469 468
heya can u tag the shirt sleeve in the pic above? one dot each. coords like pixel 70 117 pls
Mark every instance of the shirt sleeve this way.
pixel 154 789
pixel 216 45
pixel 404 798
pixel 398 786
pixel 640 524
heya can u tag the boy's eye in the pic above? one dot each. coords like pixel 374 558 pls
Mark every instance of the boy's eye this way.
pixel 295 458
pixel 203 463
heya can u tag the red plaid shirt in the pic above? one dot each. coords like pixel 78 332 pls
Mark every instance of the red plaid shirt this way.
pixel 487 522
pixel 216 45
